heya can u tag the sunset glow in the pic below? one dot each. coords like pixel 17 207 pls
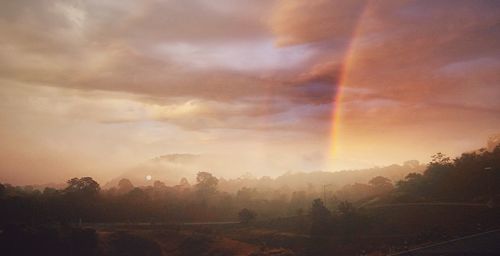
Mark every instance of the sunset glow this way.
pixel 249 127
pixel 343 80
pixel 263 87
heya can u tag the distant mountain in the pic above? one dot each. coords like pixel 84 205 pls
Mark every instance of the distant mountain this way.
pixel 169 168
pixel 41 187
pixel 177 158
pixel 316 180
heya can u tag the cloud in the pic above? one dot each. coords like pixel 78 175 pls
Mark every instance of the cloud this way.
pixel 253 75
pixel 234 55
pixel 298 22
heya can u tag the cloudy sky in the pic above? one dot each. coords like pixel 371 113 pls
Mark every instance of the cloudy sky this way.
pixel 93 88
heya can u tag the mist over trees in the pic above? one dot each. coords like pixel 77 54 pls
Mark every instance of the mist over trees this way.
pixel 317 209
pixel 471 177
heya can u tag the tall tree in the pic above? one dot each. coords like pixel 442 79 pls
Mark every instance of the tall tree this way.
pixel 206 183
pixel 320 217
pixel 83 186
pixel 125 186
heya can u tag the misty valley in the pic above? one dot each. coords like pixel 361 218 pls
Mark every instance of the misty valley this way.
pixel 315 213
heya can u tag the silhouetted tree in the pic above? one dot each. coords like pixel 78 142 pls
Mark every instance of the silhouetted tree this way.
pixel 246 194
pixel 206 183
pixel 125 186
pixel 246 216
pixel 468 177
pixel 381 184
pixel 440 159
pixel 184 182
pixel 320 218
pixel 413 185
pixel 159 185
pixel 85 186
pixel 2 190
pixel 346 208
pixel 349 221
pixel 380 181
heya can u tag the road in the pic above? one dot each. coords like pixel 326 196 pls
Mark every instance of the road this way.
pixel 486 243
pixel 425 204
pixel 149 224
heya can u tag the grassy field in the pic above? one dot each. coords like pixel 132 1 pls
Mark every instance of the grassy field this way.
pixel 183 240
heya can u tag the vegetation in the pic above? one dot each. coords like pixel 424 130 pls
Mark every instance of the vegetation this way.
pixel 471 177
pixel 451 197
pixel 246 216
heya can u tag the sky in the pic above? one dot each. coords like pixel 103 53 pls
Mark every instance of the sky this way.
pixel 97 88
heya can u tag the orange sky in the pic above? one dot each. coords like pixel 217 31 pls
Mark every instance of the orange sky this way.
pixel 98 88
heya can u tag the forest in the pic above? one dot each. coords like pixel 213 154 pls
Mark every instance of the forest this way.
pixel 449 198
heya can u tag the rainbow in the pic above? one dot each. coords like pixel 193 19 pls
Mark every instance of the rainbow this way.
pixel 346 67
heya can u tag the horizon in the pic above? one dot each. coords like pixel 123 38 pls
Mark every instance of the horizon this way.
pixel 144 178
pixel 191 176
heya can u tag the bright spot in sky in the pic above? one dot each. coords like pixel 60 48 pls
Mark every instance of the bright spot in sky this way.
pixel 148 177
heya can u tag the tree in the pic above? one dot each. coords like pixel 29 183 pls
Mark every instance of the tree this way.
pixel 355 192
pixel 83 186
pixel 50 191
pixel 320 217
pixel 206 183
pixel 80 198
pixel 349 221
pixel 159 185
pixel 298 200
pixel 381 184
pixel 125 186
pixel 440 159
pixel 246 194
pixel 380 181
pixel 2 190
pixel 346 208
pixel 413 186
pixel 184 183
pixel 246 216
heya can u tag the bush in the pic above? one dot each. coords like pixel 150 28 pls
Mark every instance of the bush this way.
pixel 246 216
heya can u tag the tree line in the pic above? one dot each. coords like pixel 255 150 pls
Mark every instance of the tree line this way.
pixel 472 177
